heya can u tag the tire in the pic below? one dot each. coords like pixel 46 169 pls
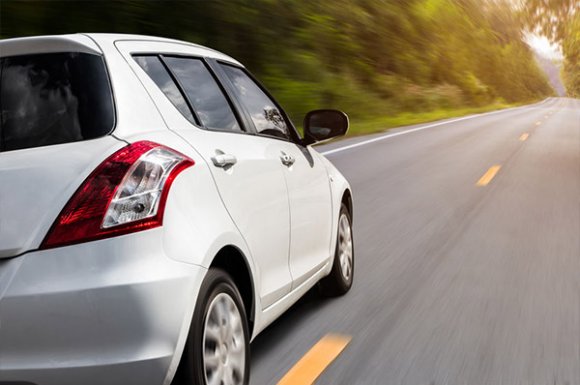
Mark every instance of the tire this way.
pixel 218 344
pixel 340 279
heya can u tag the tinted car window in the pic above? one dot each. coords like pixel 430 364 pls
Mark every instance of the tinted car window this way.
pixel 205 95
pixel 158 73
pixel 263 111
pixel 53 98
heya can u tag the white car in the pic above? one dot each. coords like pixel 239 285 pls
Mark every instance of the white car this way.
pixel 158 210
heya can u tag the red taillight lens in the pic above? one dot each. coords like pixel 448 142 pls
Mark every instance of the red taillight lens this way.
pixel 126 193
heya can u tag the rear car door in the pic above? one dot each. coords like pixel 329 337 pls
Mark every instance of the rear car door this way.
pixel 246 171
pixel 305 174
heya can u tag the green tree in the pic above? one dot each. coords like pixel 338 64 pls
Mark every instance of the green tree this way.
pixel 559 20
pixel 368 57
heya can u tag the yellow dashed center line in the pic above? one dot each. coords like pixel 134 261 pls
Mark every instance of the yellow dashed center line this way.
pixel 524 136
pixel 488 176
pixel 311 366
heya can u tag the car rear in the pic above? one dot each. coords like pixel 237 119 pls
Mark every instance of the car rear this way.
pixel 86 269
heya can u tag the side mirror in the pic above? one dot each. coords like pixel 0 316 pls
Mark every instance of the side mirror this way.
pixel 321 125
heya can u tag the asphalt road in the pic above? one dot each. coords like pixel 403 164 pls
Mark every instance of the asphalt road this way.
pixel 455 283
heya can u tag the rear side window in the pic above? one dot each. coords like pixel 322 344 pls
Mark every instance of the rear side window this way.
pixel 54 98
pixel 204 94
pixel 157 72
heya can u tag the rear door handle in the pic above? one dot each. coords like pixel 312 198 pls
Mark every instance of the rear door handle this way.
pixel 287 160
pixel 223 160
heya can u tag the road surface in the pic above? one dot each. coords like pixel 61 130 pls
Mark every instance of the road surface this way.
pixel 467 239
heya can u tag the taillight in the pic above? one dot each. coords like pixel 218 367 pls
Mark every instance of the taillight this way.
pixel 124 194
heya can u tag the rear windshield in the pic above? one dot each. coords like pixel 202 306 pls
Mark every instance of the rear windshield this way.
pixel 53 98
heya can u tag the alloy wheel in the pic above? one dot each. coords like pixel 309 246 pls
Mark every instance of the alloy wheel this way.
pixel 224 355
pixel 345 252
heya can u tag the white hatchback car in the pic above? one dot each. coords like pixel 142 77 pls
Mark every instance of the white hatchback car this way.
pixel 158 210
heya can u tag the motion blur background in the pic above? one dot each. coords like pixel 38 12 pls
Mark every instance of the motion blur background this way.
pixel 385 62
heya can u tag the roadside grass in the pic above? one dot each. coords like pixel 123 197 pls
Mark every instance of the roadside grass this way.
pixel 379 124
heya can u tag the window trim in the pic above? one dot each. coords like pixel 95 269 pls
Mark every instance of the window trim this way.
pixel 294 136
pixel 197 121
pixel 188 100
pixel 181 90
pixel 230 91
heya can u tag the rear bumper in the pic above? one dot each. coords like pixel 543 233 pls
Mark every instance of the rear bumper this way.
pixel 115 311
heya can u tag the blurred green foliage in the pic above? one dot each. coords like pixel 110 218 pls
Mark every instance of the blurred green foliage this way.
pixel 559 20
pixel 571 49
pixel 370 58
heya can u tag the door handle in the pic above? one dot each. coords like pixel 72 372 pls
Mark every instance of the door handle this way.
pixel 287 160
pixel 223 160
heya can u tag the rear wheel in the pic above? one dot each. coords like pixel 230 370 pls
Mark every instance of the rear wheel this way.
pixel 218 350
pixel 339 281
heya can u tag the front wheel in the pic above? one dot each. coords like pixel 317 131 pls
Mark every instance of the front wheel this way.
pixel 218 349
pixel 339 281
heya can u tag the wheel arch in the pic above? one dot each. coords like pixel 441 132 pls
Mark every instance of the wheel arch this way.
pixel 232 260
pixel 347 200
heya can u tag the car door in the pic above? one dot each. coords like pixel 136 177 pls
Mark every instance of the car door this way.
pixel 246 171
pixel 305 174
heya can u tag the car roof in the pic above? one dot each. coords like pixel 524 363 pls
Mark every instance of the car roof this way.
pixel 89 43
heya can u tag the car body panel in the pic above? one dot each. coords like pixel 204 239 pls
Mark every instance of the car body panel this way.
pixel 116 311
pixel 310 209
pixel 339 187
pixel 48 44
pixel 37 183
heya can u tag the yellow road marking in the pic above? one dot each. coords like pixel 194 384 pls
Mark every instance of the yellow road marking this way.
pixel 311 366
pixel 524 136
pixel 488 176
